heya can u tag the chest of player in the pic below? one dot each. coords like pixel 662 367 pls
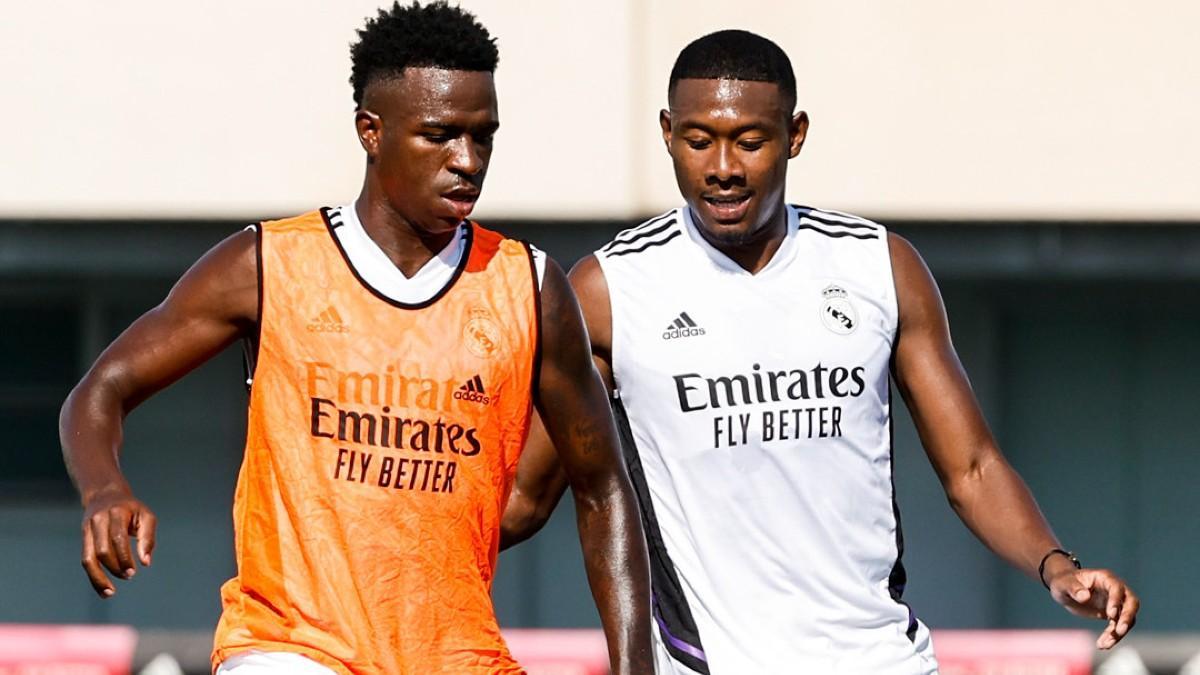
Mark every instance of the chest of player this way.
pixel 740 360
pixel 380 393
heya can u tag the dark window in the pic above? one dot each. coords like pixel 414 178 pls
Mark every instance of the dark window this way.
pixel 39 363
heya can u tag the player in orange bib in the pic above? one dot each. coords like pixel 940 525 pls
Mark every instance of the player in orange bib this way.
pixel 398 350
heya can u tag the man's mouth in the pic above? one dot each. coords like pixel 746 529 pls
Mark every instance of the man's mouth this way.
pixel 726 199
pixel 728 207
pixel 462 194
pixel 461 200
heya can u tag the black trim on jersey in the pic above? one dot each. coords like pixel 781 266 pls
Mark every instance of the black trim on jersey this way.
pixel 650 244
pixel 335 219
pixel 898 578
pixel 462 265
pixel 641 232
pixel 250 343
pixel 809 212
pixel 835 235
pixel 537 318
pixel 638 229
pixel 672 615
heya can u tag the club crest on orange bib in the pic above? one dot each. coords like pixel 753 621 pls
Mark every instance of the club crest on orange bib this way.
pixel 837 312
pixel 481 334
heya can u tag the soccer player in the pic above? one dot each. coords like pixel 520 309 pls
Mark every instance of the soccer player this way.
pixel 399 350
pixel 750 346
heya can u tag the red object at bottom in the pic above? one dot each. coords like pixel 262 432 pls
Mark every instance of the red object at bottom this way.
pixel 1014 652
pixel 559 651
pixel 66 650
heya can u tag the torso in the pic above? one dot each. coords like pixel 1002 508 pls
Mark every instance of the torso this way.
pixel 756 413
pixel 382 442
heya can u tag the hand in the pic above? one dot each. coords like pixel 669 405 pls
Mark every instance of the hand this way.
pixel 1095 594
pixel 110 518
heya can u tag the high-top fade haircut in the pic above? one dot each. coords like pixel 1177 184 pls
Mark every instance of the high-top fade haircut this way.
pixel 736 55
pixel 435 35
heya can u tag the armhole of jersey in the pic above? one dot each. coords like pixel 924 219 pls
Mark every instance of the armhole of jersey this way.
pixel 612 325
pixel 887 258
pixel 536 275
pixel 250 344
pixel 539 264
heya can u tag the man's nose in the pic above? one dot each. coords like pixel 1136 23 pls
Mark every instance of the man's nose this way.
pixel 726 166
pixel 467 157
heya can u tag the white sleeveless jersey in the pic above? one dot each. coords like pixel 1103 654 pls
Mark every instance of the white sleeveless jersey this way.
pixel 756 417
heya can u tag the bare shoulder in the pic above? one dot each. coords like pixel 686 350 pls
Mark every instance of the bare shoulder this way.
pixel 223 283
pixel 587 278
pixel 917 293
pixel 906 261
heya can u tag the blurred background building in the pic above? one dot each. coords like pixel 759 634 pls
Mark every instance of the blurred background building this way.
pixel 1042 157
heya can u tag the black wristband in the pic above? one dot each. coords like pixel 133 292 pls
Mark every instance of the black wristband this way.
pixel 1042 565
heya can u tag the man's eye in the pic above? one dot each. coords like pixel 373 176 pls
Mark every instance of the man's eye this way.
pixel 751 145
pixel 697 143
pixel 436 136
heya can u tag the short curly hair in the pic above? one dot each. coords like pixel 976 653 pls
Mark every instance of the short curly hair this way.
pixel 736 55
pixel 435 35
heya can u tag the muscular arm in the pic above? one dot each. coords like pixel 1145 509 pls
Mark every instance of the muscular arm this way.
pixel 541 480
pixel 213 304
pixel 578 423
pixel 983 488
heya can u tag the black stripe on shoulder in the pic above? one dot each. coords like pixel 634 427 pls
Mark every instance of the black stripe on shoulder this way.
pixel 646 229
pixel 648 233
pixel 335 218
pixel 836 235
pixel 836 219
pixel 643 247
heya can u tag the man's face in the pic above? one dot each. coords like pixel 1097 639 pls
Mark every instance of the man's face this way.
pixel 730 141
pixel 428 136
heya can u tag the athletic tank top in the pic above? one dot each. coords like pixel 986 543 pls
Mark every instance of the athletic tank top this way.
pixel 756 419
pixel 381 446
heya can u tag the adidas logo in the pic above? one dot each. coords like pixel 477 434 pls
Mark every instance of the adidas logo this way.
pixel 682 327
pixel 328 321
pixel 473 391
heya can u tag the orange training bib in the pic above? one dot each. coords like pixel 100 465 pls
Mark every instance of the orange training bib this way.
pixel 382 443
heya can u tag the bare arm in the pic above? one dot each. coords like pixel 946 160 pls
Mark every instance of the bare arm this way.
pixel 574 407
pixel 212 305
pixel 539 485
pixel 541 480
pixel 983 488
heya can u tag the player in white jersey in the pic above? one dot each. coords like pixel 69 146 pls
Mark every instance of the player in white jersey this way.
pixel 750 347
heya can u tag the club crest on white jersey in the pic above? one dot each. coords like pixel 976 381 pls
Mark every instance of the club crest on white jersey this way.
pixel 837 312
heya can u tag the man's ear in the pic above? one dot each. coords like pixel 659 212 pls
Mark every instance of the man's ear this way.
pixel 369 127
pixel 797 132
pixel 664 121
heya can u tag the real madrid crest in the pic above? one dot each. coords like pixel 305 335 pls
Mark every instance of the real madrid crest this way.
pixel 837 312
pixel 481 333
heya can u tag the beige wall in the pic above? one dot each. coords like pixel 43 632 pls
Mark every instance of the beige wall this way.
pixel 927 109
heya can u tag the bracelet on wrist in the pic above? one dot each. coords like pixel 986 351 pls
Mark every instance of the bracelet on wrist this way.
pixel 1056 551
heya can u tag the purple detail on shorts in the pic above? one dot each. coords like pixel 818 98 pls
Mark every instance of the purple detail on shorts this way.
pixel 676 642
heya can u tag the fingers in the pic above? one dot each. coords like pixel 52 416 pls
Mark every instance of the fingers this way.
pixel 107 545
pixel 1119 605
pixel 1116 598
pixel 146 526
pixel 1108 637
pixel 91 564
pixel 1128 616
pixel 102 542
pixel 119 525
